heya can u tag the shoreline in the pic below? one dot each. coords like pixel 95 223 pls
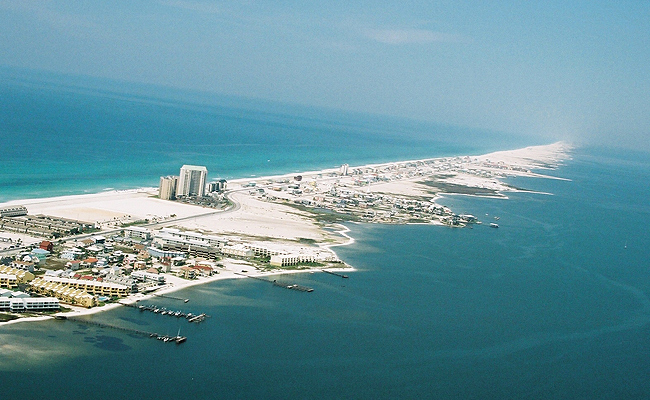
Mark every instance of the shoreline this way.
pixel 276 221
pixel 146 189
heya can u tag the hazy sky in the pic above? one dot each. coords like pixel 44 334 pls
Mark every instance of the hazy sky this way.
pixel 566 69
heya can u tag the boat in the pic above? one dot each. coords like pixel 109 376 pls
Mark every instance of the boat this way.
pixel 179 339
pixel 493 225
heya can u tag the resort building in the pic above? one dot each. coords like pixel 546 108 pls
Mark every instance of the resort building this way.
pixel 23 304
pixel 191 181
pixel 167 188
pixel 62 292
pixel 170 239
pixel 99 288
pixel 217 186
pixel 263 250
pixel 344 169
pixel 187 235
pixel 238 250
pixel 283 260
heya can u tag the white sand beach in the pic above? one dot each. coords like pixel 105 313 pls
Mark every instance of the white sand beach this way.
pixel 256 218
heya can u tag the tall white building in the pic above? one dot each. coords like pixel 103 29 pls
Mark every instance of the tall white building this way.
pixel 167 189
pixel 191 181
pixel 344 169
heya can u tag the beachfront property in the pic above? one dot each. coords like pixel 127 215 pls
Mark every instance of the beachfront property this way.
pixel 188 272
pixel 167 187
pixel 217 186
pixel 89 285
pixel 191 181
pixel 285 260
pixel 264 250
pixel 64 293
pixel 175 240
pixel 344 169
pixel 172 234
pixel 29 304
pixel 237 250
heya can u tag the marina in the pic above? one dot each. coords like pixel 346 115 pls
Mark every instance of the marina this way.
pixel 172 313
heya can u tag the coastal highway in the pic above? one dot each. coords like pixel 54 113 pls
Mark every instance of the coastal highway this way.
pixel 236 206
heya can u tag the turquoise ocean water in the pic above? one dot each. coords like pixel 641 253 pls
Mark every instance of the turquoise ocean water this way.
pixel 553 304
pixel 60 135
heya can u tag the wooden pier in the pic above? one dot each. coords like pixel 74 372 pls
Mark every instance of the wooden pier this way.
pixel 281 284
pixel 172 297
pixel 165 338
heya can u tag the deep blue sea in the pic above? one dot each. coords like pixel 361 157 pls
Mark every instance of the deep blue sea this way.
pixel 553 304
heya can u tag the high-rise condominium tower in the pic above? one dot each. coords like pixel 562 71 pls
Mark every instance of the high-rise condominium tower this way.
pixel 191 181
pixel 167 189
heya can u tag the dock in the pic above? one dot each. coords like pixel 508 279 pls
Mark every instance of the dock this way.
pixel 165 338
pixel 334 273
pixel 283 285
pixel 164 311
pixel 165 296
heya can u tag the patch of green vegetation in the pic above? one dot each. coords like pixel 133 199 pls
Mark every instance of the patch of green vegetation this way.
pixel 446 187
pixel 306 241
pixel 55 263
pixel 4 317
pixel 138 222
pixel 325 216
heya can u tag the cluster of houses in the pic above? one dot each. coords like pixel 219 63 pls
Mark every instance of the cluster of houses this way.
pixel 86 272
pixel 346 192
